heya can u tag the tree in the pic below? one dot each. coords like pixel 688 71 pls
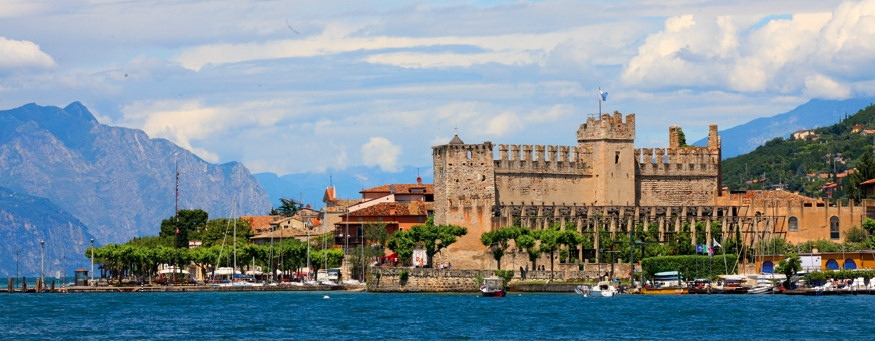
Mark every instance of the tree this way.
pixel 789 267
pixel 865 171
pixel 527 240
pixel 402 244
pixel 178 227
pixel 498 241
pixel 288 207
pixel 433 238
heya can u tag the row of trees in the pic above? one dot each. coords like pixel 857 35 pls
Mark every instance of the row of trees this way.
pixel 140 257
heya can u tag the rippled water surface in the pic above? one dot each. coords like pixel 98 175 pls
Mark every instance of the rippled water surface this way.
pixel 355 315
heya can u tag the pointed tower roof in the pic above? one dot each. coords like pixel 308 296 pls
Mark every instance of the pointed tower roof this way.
pixel 456 140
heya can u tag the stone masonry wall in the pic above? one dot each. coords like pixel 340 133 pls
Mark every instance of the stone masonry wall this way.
pixel 453 280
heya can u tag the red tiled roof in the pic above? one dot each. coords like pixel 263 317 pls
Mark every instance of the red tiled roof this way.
pixel 329 195
pixel 412 208
pixel 868 182
pixel 260 222
pixel 401 189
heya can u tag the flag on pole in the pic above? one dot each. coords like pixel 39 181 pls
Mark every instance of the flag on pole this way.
pixel 699 248
pixel 604 95
pixel 715 243
pixel 710 251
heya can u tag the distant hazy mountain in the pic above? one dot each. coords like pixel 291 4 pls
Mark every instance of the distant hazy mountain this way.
pixel 816 113
pixel 348 183
pixel 24 222
pixel 117 181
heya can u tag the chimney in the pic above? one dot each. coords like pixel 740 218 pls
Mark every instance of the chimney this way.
pixel 418 180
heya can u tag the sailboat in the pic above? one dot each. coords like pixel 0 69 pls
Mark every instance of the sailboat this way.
pixel 236 278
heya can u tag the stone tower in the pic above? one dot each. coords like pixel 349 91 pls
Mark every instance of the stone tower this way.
pixel 464 189
pixel 610 143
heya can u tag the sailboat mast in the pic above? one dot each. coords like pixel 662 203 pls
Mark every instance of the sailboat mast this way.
pixel 234 269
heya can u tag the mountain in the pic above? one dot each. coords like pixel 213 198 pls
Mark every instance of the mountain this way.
pixel 805 165
pixel 24 222
pixel 347 183
pixel 816 113
pixel 117 181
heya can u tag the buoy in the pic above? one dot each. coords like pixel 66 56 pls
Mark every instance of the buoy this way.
pixel 325 297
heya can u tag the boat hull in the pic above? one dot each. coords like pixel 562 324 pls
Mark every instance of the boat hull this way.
pixel 497 293
pixel 665 291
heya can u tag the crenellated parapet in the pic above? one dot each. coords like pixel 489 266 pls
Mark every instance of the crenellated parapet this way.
pixel 540 159
pixel 686 161
pixel 607 127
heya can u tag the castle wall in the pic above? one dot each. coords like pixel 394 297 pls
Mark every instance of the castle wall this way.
pixel 678 175
pixel 541 173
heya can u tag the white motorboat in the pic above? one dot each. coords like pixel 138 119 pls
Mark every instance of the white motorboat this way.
pixel 602 289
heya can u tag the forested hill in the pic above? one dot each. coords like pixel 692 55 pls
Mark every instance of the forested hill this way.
pixel 809 163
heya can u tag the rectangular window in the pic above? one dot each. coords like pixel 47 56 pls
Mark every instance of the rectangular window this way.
pixel 834 228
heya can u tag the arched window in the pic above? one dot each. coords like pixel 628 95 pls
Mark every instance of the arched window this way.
pixel 834 227
pixel 832 264
pixel 768 267
pixel 850 264
pixel 794 224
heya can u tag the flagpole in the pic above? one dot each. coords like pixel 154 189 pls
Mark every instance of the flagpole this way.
pixel 600 101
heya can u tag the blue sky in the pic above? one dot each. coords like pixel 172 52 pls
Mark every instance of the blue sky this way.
pixel 317 86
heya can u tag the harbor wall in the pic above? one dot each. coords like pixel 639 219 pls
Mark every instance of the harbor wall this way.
pixel 453 280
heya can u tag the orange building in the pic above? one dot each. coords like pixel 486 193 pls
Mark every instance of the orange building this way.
pixel 398 206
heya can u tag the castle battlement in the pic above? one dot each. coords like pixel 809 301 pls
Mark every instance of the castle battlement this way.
pixel 544 159
pixel 686 161
pixel 607 127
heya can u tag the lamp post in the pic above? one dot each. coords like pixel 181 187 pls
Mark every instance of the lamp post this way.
pixel 308 226
pixel 42 276
pixel 92 260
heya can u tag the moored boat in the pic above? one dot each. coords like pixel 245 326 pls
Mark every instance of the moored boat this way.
pixel 492 287
pixel 602 289
pixel 666 283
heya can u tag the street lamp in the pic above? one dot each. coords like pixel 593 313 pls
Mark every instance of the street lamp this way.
pixel 92 260
pixel 42 276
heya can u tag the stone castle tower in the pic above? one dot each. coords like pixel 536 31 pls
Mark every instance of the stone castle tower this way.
pixel 610 143
pixel 536 186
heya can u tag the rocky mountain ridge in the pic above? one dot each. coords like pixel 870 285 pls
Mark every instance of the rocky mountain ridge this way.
pixel 118 182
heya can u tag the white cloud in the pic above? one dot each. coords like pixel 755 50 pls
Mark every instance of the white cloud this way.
pixel 15 54
pixel 379 151
pixel 820 86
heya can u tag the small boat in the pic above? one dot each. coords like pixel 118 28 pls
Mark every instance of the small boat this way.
pixel 602 289
pixel 700 286
pixel 492 287
pixel 666 283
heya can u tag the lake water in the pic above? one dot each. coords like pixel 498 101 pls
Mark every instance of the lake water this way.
pixel 358 315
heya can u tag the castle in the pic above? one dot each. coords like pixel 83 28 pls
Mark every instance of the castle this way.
pixel 605 183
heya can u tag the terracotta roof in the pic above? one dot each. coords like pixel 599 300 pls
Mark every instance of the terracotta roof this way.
pixel 329 195
pixel 261 222
pixel 401 189
pixel 385 209
pixel 868 182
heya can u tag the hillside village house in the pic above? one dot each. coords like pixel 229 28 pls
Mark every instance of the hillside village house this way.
pixel 276 228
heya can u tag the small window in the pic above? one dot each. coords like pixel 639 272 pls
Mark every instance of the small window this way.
pixel 469 155
pixel 794 224
pixel 617 157
pixel 360 219
pixel 379 218
pixel 834 228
